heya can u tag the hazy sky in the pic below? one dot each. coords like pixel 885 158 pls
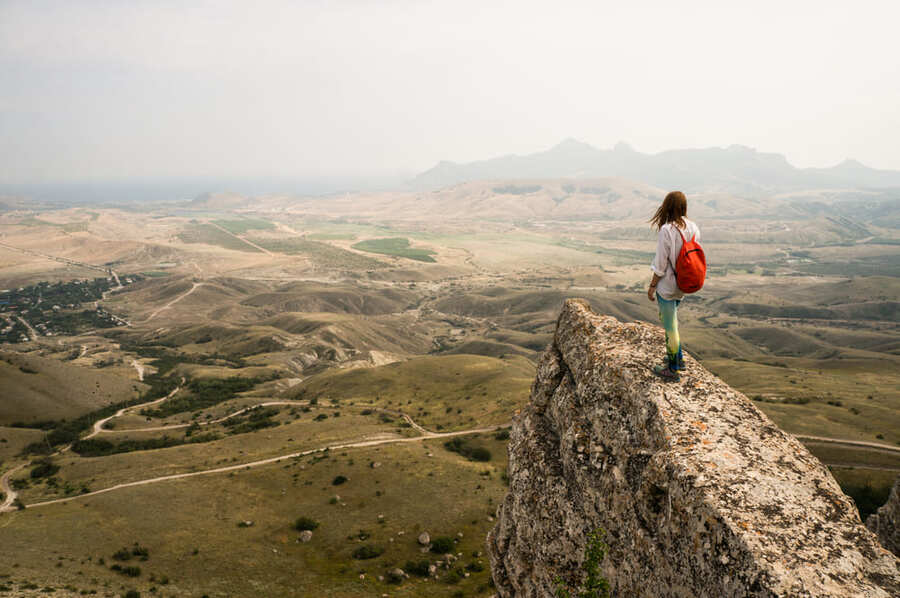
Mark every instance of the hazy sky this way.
pixel 94 90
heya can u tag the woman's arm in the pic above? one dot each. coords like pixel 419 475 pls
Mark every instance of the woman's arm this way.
pixel 651 290
pixel 660 263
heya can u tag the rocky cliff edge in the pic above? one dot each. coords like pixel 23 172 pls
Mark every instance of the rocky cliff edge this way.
pixel 886 522
pixel 699 493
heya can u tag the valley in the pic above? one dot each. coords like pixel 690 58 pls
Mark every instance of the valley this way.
pixel 235 364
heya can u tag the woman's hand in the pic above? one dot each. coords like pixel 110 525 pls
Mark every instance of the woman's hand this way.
pixel 651 292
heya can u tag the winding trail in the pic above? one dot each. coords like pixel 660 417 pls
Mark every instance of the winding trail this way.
pixel 205 423
pixel 98 425
pixel 98 428
pixel 854 443
pixel 7 490
pixel 194 287
pixel 424 434
pixel 332 447
pixel 140 369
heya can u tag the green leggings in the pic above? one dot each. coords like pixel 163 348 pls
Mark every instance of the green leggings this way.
pixel 668 314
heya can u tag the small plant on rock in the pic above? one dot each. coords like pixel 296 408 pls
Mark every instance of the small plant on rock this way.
pixel 595 585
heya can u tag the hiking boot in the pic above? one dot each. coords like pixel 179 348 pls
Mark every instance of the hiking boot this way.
pixel 663 371
pixel 675 368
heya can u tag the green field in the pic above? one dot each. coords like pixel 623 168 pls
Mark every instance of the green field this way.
pixel 210 235
pixel 240 227
pixel 321 254
pixel 396 246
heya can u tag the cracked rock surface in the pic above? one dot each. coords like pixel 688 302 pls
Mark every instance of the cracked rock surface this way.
pixel 699 493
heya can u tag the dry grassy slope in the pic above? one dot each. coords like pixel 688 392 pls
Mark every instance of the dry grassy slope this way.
pixel 57 390
pixel 499 302
pixel 338 298
pixel 304 335
pixel 13 440
pixel 448 392
pixel 190 528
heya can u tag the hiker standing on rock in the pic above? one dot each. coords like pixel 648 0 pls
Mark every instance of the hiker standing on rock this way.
pixel 679 267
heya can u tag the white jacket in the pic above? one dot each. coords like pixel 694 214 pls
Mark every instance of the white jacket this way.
pixel 668 246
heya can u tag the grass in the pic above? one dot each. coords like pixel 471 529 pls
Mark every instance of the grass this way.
pixel 196 521
pixel 396 246
pixel 210 235
pixel 869 488
pixel 447 392
pixel 321 254
pixel 29 397
pixel 331 236
pixel 857 416
pixel 239 227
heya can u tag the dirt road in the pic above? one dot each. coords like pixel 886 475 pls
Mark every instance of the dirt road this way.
pixel 98 425
pixel 7 489
pixel 854 443
pixel 242 239
pixel 98 429
pixel 333 447
pixel 194 287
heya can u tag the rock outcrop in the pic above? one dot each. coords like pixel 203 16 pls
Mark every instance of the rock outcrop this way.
pixel 699 493
pixel 886 522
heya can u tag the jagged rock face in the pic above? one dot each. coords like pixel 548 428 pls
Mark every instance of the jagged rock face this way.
pixel 699 493
pixel 886 522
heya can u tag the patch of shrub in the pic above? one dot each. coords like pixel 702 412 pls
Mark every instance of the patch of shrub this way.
pixel 367 551
pixel 454 576
pixel 467 450
pixel 338 480
pixel 442 545
pixel 419 568
pixel 502 434
pixel 305 524
pixel 44 469
pixel 868 499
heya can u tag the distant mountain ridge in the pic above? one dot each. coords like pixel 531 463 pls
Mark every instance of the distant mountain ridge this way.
pixel 735 169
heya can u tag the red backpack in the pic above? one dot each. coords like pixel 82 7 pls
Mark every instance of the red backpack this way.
pixel 690 269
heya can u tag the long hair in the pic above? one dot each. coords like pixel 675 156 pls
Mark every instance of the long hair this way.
pixel 673 209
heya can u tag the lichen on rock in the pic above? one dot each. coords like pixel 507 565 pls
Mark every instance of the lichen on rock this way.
pixel 699 493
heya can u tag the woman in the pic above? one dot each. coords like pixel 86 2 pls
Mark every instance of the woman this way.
pixel 672 226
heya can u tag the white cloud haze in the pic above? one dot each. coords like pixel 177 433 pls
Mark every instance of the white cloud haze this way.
pixel 95 90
